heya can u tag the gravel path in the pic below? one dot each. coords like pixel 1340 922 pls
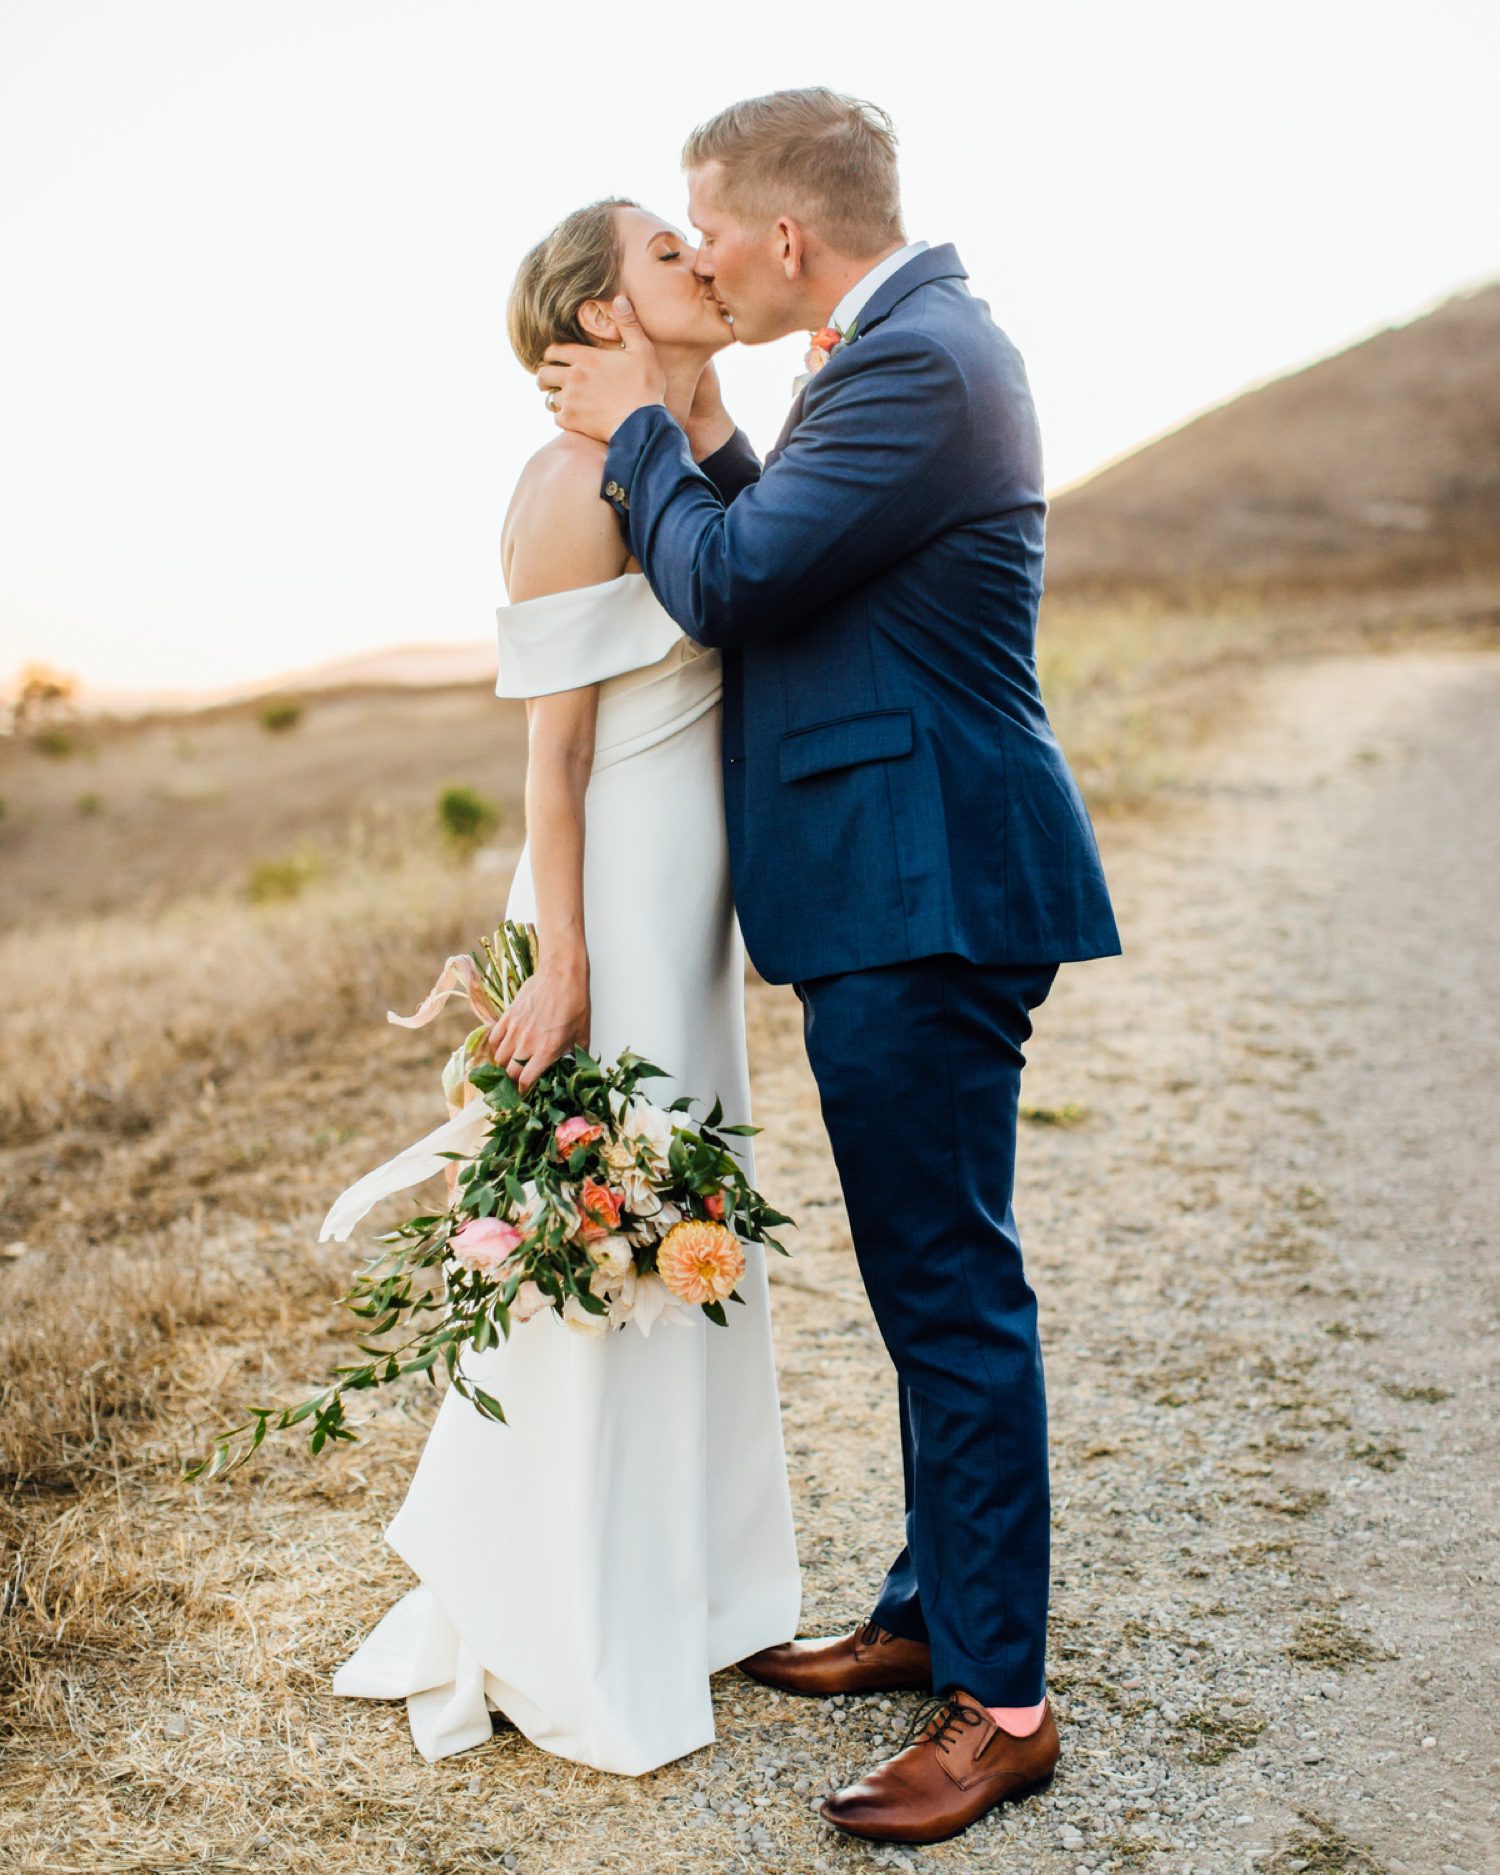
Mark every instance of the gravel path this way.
pixel 1255 1204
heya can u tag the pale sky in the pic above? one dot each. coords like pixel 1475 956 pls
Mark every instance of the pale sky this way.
pixel 257 408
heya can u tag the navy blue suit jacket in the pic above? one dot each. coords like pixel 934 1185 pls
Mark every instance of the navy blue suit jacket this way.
pixel 893 787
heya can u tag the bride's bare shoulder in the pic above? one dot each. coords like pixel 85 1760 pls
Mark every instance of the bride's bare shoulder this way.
pixel 559 531
pixel 566 457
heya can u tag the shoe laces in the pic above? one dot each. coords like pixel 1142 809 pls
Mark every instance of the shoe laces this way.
pixel 870 1633
pixel 941 1719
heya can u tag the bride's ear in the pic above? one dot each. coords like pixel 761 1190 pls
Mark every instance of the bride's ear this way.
pixel 598 321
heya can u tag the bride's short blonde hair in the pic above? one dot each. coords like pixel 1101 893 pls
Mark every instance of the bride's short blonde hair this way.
pixel 577 262
pixel 827 160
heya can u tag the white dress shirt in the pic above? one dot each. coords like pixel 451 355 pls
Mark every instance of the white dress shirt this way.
pixel 858 296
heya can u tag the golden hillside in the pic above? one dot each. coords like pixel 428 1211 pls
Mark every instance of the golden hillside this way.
pixel 1380 465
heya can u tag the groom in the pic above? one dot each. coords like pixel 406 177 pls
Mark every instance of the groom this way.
pixel 908 848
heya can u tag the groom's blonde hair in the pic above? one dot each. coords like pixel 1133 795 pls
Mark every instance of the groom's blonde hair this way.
pixel 824 159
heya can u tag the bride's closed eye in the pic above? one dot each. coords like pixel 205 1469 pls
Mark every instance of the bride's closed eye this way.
pixel 676 254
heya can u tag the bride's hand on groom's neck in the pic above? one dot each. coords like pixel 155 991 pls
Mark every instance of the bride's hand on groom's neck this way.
pixel 593 389
pixel 709 424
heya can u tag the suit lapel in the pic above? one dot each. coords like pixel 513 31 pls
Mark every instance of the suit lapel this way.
pixel 935 263
pixel 793 418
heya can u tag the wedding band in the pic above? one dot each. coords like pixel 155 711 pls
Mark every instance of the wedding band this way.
pixel 551 400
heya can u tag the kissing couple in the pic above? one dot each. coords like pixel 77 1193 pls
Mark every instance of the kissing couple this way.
pixel 796 700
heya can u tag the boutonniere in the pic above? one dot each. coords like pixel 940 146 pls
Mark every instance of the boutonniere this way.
pixel 822 344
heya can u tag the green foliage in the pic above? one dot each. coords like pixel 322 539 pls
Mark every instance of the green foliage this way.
pixel 272 881
pixel 1068 1114
pixel 468 818
pixel 521 1175
pixel 279 714
pixel 54 742
pixel 90 804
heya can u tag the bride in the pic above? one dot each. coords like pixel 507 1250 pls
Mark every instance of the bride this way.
pixel 585 1568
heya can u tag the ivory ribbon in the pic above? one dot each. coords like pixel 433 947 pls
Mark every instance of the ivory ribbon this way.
pixel 463 1133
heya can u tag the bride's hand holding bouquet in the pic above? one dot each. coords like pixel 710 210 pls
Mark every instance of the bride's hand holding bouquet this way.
pixel 572 1192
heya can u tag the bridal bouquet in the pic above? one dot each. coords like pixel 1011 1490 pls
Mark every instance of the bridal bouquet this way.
pixel 580 1196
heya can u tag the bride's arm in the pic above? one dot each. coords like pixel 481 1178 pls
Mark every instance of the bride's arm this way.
pixel 554 543
pixel 720 448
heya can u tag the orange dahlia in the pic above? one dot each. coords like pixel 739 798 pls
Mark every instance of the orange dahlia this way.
pixel 700 1262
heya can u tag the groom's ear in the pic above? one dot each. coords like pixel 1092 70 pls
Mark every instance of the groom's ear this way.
pixel 598 321
pixel 790 247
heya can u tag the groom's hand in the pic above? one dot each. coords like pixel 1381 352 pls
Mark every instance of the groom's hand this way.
pixel 593 389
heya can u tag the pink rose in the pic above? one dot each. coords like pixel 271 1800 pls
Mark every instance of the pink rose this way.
pixel 483 1244
pixel 578 1131
pixel 713 1204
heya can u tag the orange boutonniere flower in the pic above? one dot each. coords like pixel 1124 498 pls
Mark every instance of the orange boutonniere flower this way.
pixel 821 346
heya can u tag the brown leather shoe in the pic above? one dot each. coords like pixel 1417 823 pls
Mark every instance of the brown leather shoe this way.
pixel 961 1766
pixel 867 1661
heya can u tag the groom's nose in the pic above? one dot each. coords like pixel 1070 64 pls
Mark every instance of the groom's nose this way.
pixel 702 266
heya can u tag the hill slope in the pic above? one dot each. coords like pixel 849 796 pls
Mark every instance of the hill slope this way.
pixel 1380 464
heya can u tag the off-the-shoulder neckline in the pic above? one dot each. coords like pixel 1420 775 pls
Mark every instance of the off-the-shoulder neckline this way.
pixel 569 592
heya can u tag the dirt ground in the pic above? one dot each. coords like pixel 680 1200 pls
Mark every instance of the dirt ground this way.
pixel 1259 1205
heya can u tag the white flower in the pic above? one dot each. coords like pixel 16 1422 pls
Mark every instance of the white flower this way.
pixel 612 1257
pixel 640 1193
pixel 653 1300
pixel 652 1125
pixel 581 1321
pixel 618 1155
pixel 530 1300
pixel 620 1294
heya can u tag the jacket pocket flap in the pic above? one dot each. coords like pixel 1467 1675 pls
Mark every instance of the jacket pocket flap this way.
pixel 877 736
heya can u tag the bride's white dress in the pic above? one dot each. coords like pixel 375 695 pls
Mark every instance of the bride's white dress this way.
pixel 587 1566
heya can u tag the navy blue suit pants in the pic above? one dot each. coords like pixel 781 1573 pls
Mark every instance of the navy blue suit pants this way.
pixel 918 1068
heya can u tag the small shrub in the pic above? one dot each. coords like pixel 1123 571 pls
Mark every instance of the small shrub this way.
pixel 281 714
pixel 1068 1114
pixel 274 880
pixel 90 804
pixel 54 742
pixel 468 817
pixel 1324 1640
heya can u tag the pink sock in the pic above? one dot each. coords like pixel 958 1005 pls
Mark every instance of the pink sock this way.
pixel 1019 1721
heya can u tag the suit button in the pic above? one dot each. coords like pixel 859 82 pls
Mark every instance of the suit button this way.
pixel 613 490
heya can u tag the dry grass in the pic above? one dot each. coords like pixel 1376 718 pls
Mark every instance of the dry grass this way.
pixel 171 1139
pixel 1134 684
pixel 1322 1848
pixel 101 1019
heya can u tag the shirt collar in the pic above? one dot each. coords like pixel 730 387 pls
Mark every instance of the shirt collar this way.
pixel 858 296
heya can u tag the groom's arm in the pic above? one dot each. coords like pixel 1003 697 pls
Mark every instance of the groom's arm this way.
pixel 872 471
